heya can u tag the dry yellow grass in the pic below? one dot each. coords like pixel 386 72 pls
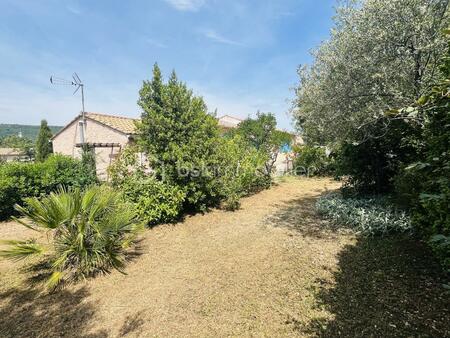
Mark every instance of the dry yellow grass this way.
pixel 259 271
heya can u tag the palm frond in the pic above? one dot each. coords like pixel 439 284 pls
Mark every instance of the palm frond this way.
pixel 92 231
pixel 55 279
pixel 19 250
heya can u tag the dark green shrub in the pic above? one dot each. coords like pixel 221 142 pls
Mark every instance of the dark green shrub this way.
pixel 179 138
pixel 440 245
pixel 153 201
pixel 424 184
pixel 44 145
pixel 9 195
pixel 311 161
pixel 20 180
pixel 371 164
pixel 88 164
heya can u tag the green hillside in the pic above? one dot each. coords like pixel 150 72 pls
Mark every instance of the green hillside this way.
pixel 27 131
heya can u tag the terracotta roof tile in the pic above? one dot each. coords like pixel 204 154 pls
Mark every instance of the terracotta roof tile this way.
pixel 125 125
pixel 11 152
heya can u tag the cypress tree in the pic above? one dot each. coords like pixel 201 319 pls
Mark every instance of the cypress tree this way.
pixel 178 136
pixel 44 145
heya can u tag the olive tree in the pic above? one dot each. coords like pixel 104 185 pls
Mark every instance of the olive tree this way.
pixel 381 55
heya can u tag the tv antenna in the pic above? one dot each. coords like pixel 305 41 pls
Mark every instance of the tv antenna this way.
pixel 76 82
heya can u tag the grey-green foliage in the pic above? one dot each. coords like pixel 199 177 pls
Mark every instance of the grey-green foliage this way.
pixel 369 216
pixel 382 54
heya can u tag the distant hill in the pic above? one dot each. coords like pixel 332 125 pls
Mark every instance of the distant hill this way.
pixel 27 131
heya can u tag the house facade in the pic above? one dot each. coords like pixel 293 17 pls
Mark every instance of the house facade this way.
pixel 107 135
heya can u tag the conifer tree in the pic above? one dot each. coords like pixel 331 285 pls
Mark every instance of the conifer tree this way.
pixel 179 137
pixel 43 143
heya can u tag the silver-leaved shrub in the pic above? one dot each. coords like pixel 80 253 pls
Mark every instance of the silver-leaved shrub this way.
pixel 368 216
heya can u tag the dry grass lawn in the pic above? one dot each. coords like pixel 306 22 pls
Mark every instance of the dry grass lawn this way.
pixel 270 269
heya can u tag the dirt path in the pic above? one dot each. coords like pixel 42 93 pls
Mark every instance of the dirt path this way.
pixel 259 271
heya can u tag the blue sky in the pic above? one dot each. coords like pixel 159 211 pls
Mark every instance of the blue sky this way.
pixel 241 56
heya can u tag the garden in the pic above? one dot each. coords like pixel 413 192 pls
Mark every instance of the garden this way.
pixel 191 167
pixel 202 238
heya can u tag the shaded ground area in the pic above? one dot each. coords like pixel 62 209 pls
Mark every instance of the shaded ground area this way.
pixel 271 269
pixel 383 288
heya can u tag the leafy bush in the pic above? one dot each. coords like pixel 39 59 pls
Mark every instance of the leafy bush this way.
pixel 441 248
pixel 371 164
pixel 153 201
pixel 241 170
pixel 20 180
pixel 91 231
pixel 423 183
pixel 311 161
pixel 261 134
pixel 126 164
pixel 369 216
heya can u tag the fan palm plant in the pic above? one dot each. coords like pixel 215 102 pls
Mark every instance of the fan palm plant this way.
pixel 91 231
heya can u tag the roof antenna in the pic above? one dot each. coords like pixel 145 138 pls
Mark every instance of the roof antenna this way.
pixel 76 82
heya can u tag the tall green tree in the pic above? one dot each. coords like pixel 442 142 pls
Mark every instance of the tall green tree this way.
pixel 262 134
pixel 179 137
pixel 382 54
pixel 44 145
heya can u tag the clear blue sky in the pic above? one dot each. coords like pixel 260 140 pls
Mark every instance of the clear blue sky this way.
pixel 241 56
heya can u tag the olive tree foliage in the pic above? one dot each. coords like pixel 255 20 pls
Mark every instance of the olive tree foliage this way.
pixel 381 55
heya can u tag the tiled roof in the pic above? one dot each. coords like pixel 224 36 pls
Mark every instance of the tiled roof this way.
pixel 10 152
pixel 125 125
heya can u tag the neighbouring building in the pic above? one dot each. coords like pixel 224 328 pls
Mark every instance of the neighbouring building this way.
pixel 13 154
pixel 109 134
pixel 228 122
pixel 106 134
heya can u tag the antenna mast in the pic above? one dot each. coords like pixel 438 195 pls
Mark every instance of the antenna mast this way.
pixel 76 82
